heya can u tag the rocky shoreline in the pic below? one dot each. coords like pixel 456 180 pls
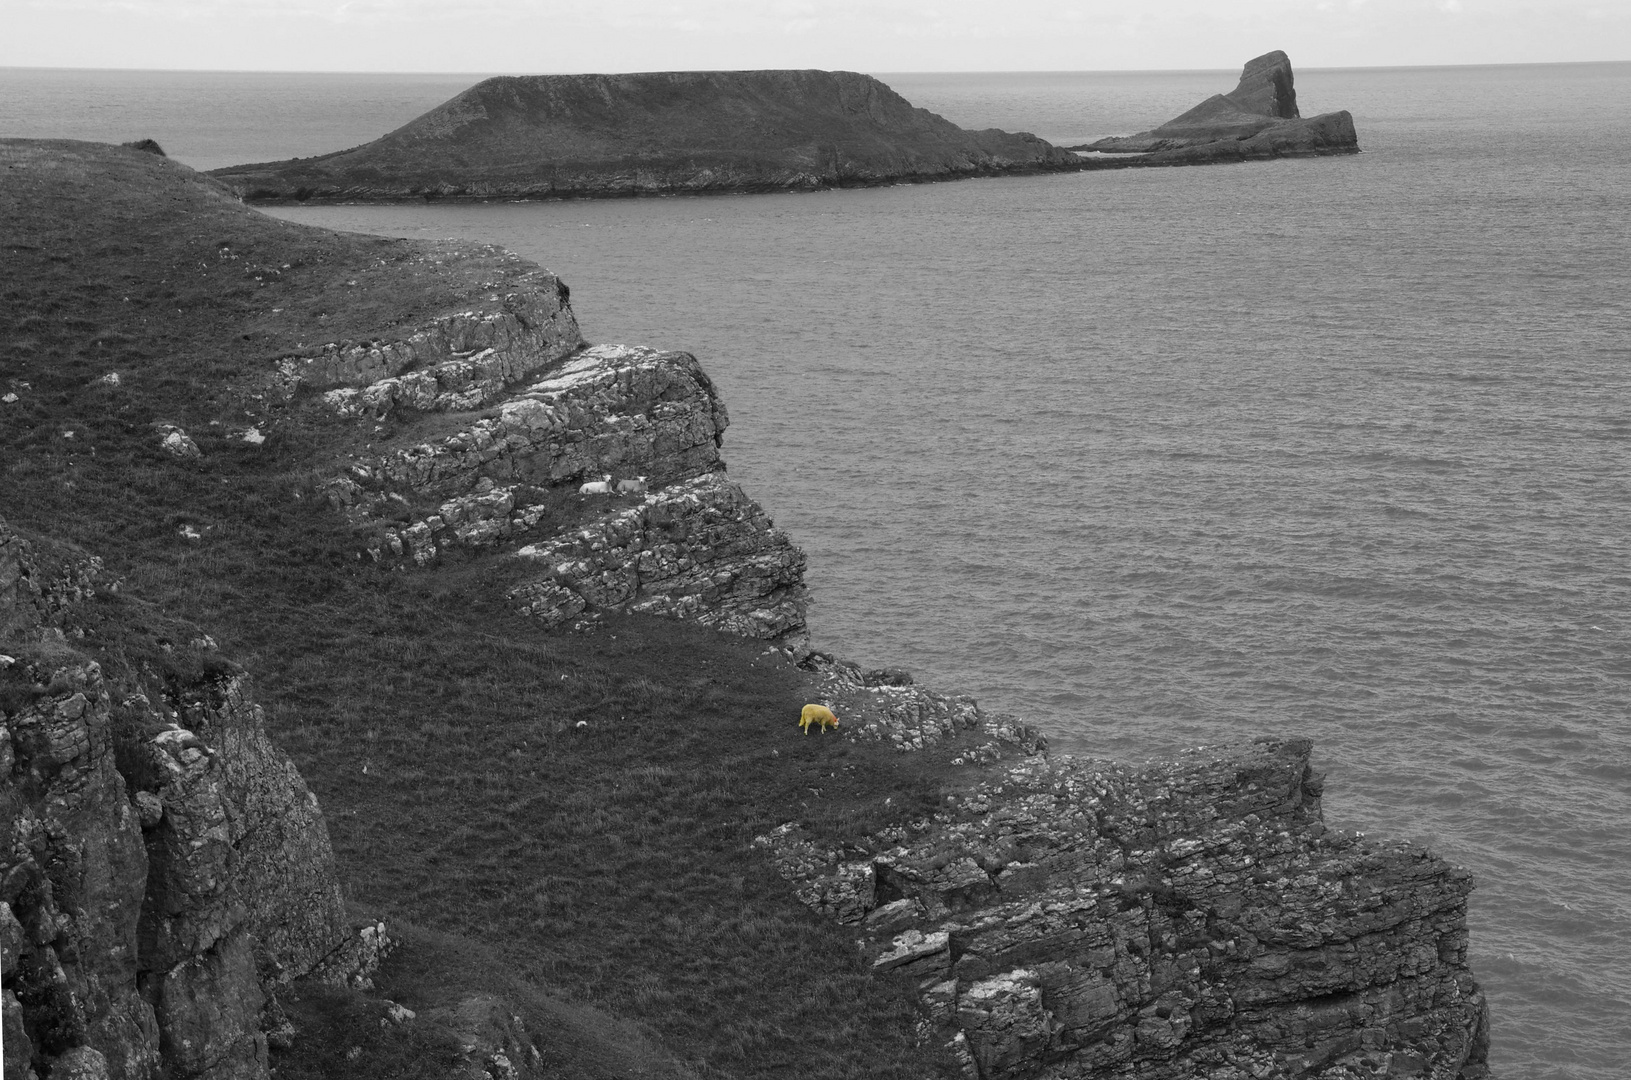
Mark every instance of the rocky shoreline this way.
pixel 1072 918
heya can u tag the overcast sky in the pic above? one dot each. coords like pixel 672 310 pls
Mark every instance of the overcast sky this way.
pixel 522 36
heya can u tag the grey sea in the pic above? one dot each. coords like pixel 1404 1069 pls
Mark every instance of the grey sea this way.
pixel 1337 447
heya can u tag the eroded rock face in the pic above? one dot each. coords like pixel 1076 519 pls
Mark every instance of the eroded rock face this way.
pixel 162 865
pixel 1076 919
pixel 459 360
pixel 699 550
pixel 669 535
pixel 609 408
pixel 1259 118
pixel 73 872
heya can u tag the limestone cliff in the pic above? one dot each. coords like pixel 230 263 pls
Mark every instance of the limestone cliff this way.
pixel 566 136
pixel 163 865
pixel 1259 118
pixel 679 540
pixel 1077 918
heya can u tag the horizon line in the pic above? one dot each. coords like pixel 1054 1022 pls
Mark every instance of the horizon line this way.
pixel 900 71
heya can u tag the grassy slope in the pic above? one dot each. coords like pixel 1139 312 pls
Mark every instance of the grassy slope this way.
pixel 609 864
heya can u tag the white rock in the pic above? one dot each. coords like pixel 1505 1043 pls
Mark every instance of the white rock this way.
pixel 176 441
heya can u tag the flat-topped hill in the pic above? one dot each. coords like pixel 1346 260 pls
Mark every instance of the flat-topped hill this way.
pixel 563 136
pixel 1258 118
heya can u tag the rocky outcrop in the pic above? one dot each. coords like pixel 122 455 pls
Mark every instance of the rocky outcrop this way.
pixel 886 705
pixel 1068 918
pixel 1257 119
pixel 163 865
pixel 574 136
pixel 461 360
pixel 683 542
pixel 700 550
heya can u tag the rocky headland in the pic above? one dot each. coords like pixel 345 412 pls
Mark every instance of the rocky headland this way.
pixel 244 419
pixel 1259 118
pixel 656 133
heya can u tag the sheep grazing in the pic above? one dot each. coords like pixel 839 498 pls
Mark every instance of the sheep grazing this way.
pixel 817 714
pixel 636 486
pixel 597 487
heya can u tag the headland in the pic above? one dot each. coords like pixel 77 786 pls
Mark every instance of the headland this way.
pixel 655 133
pixel 346 732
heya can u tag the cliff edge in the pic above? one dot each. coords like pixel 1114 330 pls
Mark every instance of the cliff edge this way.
pixel 1259 118
pixel 1079 918
pixel 693 132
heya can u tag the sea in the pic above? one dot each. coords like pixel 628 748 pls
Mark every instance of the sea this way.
pixel 1336 447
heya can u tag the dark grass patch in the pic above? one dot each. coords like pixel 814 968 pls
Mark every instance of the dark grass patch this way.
pixel 342 1033
pixel 609 863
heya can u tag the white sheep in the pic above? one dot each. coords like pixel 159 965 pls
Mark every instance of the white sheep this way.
pixel 597 487
pixel 636 486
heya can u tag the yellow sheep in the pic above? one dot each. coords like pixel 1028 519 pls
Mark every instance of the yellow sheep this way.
pixel 817 714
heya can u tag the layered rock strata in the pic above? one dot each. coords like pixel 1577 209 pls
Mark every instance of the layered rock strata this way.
pixel 163 866
pixel 574 136
pixel 461 360
pixel 1069 918
pixel 1259 118
pixel 681 540
pixel 700 550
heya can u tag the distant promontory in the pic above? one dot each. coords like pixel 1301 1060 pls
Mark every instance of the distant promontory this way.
pixel 717 132
pixel 1257 119
pixel 678 132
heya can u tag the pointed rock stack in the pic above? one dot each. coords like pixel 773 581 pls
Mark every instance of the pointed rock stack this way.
pixel 1257 119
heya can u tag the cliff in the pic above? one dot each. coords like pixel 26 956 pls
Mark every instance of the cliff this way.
pixel 163 867
pixel 556 726
pixel 575 136
pixel 1069 918
pixel 1259 118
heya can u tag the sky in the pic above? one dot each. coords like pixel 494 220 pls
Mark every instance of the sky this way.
pixel 541 36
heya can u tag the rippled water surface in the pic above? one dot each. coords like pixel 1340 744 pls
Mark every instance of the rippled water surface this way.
pixel 1339 447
